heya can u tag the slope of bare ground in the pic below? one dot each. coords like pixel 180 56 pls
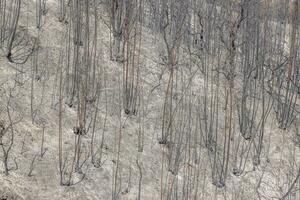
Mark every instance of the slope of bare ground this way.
pixel 37 177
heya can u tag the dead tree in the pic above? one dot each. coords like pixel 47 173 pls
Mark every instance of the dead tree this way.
pixel 172 31
pixel 117 23
pixel 131 64
pixel 7 133
pixel 15 41
pixel 287 83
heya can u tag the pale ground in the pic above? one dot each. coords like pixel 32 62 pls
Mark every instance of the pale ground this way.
pixel 44 182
